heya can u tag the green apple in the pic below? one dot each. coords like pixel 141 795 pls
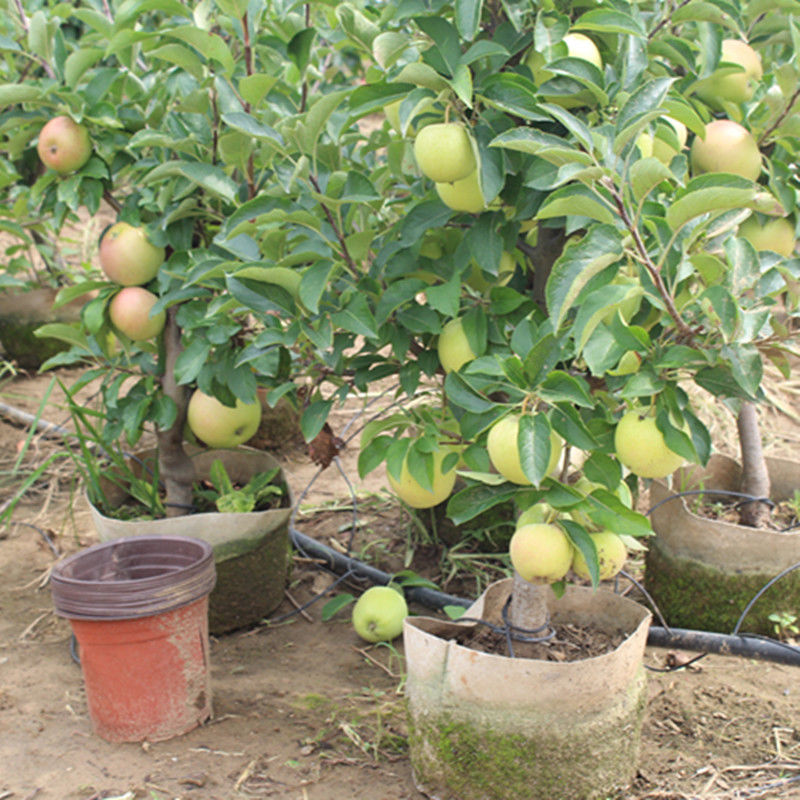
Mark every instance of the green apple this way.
pixel 130 312
pixel 622 491
pixel 537 513
pixel 629 364
pixel 463 195
pixel 540 552
pixel 663 150
pixel 482 281
pixel 504 451
pixel 640 446
pixel 776 234
pixel 127 257
pixel 218 425
pixel 379 613
pixel 611 556
pixel 64 146
pixel 414 494
pixel 726 147
pixel 733 87
pixel 453 346
pixel 444 153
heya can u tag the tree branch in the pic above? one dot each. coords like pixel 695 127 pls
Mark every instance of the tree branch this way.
pixel 755 477
pixel 781 117
pixel 339 235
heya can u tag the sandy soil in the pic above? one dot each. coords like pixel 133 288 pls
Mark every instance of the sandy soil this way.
pixel 302 709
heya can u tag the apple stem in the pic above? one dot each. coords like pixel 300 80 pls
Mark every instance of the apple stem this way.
pixel 528 605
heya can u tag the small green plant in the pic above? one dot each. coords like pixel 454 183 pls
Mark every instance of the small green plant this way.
pixel 784 624
pixel 259 492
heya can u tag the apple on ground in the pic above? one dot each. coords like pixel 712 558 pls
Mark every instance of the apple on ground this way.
pixel 444 153
pixel 64 145
pixel 504 451
pixel 414 494
pixel 127 257
pixel 775 234
pixel 726 147
pixel 130 311
pixel 611 556
pixel 453 346
pixel 733 87
pixel 463 195
pixel 218 425
pixel 540 552
pixel 379 613
pixel 641 447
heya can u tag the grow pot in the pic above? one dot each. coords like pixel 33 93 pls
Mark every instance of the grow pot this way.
pixel 139 611
pixel 251 549
pixel 489 727
pixel 21 313
pixel 703 572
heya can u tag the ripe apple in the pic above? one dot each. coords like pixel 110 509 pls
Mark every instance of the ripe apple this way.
pixel 776 234
pixel 504 451
pixel 130 309
pixel 536 514
pixel 540 552
pixel 733 87
pixel 640 446
pixel 463 195
pixel 64 145
pixel 611 556
pixel 482 281
pixel 414 494
pixel 127 257
pixel 453 346
pixel 379 613
pixel 443 152
pixel 218 425
pixel 726 147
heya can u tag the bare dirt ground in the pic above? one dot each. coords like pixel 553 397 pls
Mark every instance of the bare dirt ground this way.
pixel 304 710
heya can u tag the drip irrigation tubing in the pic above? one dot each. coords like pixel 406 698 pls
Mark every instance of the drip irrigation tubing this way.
pixel 741 644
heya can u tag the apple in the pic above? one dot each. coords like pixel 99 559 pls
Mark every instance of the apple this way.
pixel 622 492
pixel 443 152
pixel 726 147
pixel 453 346
pixel 130 309
pixel 127 257
pixel 776 234
pixel 64 145
pixel 482 281
pixel 504 451
pixel 540 552
pixel 629 364
pixel 733 87
pixel 658 147
pixel 463 195
pixel 218 425
pixel 611 556
pixel 414 494
pixel 535 514
pixel 640 446
pixel 379 613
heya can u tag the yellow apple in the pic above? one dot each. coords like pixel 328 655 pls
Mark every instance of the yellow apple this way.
pixel 127 257
pixel 611 556
pixel 482 281
pixel 463 195
pixel 414 494
pixel 640 446
pixel 443 152
pixel 536 514
pixel 379 613
pixel 129 311
pixel 540 552
pixel 64 146
pixel 776 234
pixel 504 451
pixel 218 425
pixel 733 87
pixel 726 147
pixel 662 149
pixel 453 346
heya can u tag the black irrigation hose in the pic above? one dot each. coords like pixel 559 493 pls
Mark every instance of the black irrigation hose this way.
pixel 748 645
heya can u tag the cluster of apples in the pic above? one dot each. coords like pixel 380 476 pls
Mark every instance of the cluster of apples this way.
pixel 130 260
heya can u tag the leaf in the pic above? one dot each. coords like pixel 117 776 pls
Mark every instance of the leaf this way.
pixel 314 417
pixel 474 500
pixel 608 20
pixel 533 441
pixel 207 176
pixel 210 45
pixel 249 125
pixel 317 117
pixel 11 93
pixel 646 174
pixel 513 93
pixel 705 194
pixel 78 62
pixel 313 284
pixel 445 39
pixel 581 261
pixel 575 199
pixel 468 17
pixel 537 143
pixel 460 392
pixel 335 605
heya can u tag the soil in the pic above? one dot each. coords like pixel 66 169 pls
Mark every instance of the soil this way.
pixel 303 709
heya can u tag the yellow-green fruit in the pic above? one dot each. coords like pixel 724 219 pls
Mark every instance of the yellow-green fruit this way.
pixel 443 152
pixel 414 494
pixel 453 346
pixel 628 365
pixel 733 87
pixel 504 451
pixel 611 556
pixel 726 147
pixel 463 195
pixel 64 146
pixel 379 613
pixel 537 513
pixel 776 234
pixel 540 552
pixel 663 150
pixel 218 425
pixel 482 281
pixel 578 46
pixel 640 446
pixel 130 312
pixel 644 141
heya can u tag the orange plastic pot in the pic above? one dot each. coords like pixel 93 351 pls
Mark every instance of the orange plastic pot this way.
pixel 139 611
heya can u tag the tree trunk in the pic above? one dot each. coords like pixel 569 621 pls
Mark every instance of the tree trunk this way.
pixel 549 246
pixel 528 611
pixel 176 469
pixel 755 478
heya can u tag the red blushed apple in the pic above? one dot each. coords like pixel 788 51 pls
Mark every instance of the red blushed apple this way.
pixel 127 257
pixel 64 145
pixel 130 312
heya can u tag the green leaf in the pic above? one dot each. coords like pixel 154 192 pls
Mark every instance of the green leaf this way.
pixel 249 125
pixel 468 17
pixel 207 176
pixel 254 88
pixel 335 605
pixel 181 55
pixel 313 284
pixel 11 93
pixel 210 45
pixel 78 62
pixel 356 317
pixel 314 417
pixel 533 441
pixel 317 118
pixel 537 143
pixel 583 543
pixel 445 39
pixel 705 194
pixel 581 261
pixel 575 199
pixel 646 174
pixel 608 20
pixel 474 500
pixel 70 334
pixel 513 93
pixel 460 392
pixel 560 387
pixel 191 360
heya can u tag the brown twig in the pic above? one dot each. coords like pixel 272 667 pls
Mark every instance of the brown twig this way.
pixel 112 201
pixel 781 117
pixel 667 18
pixel 248 68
